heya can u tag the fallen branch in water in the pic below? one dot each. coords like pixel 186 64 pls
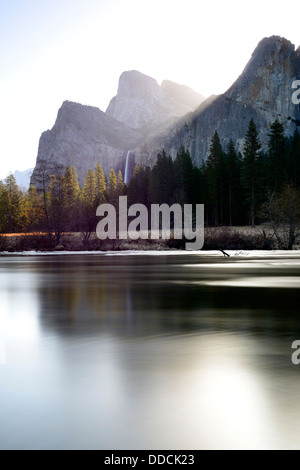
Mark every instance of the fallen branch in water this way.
pixel 224 253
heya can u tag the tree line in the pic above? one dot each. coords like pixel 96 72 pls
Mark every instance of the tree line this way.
pixel 61 206
pixel 237 188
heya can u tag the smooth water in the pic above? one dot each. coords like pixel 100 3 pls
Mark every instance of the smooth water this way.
pixel 149 351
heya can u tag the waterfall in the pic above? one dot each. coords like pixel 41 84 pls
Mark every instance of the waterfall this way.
pixel 126 174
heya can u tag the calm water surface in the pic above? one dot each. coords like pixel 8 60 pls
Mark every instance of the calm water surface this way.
pixel 151 351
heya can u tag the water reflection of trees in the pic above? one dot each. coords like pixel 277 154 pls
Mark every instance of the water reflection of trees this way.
pixel 143 297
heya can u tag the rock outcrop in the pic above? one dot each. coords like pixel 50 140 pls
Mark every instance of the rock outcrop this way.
pixel 262 92
pixel 147 118
pixel 84 135
pixel 142 103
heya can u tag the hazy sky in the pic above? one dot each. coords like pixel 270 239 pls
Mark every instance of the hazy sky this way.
pixel 56 50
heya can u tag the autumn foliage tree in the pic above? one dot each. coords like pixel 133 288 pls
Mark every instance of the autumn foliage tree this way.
pixel 10 205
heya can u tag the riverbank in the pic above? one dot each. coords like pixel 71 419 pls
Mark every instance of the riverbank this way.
pixel 215 238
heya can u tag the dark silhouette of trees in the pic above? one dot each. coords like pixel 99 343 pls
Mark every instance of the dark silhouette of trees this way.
pixel 214 175
pixel 276 158
pixel 283 213
pixel 235 188
pixel 293 163
pixel 251 170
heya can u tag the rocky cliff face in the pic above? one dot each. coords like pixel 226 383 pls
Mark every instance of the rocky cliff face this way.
pixel 142 103
pixel 147 118
pixel 262 92
pixel 83 135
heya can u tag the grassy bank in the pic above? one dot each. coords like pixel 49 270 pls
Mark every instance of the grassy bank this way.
pixel 215 238
pixel 73 242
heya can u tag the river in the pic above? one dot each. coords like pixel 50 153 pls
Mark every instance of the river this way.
pixel 176 350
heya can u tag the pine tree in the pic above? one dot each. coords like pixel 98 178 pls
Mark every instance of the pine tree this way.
pixel 198 190
pixel 100 183
pixel 75 181
pixel 44 177
pixel 162 179
pixel 294 160
pixel 232 183
pixel 250 169
pixel 183 168
pixel 89 188
pixel 138 188
pixel 154 186
pixel 120 184
pixel 70 190
pixel 88 205
pixel 276 157
pixel 133 186
pixel 112 187
pixel 57 206
pixel 214 167
pixel 35 213
pixel 3 206
pixel 143 186
pixel 11 210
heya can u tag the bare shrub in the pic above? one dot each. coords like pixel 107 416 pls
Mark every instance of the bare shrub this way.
pixel 224 238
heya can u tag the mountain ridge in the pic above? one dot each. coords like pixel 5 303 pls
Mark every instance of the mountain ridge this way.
pixel 83 135
pixel 262 92
pixel 142 116
pixel 141 101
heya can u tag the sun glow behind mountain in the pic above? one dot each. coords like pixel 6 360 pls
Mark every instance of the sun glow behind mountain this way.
pixel 77 50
